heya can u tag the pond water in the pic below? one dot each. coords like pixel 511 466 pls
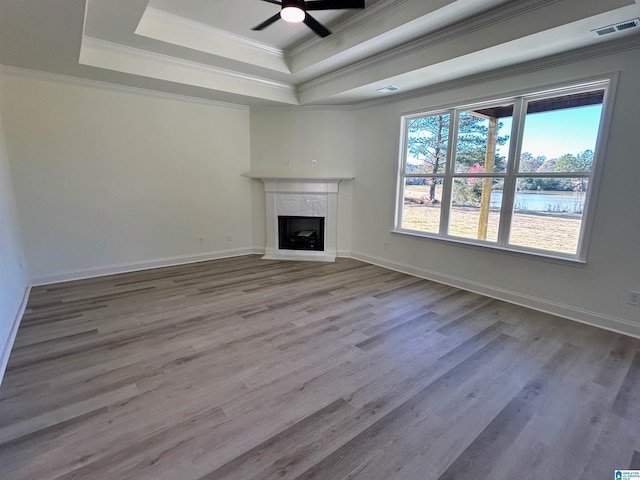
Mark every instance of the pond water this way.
pixel 571 202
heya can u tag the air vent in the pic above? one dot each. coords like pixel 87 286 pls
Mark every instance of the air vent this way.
pixel 618 27
pixel 389 89
pixel 627 25
pixel 605 31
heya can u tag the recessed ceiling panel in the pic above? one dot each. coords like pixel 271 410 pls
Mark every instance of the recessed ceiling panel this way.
pixel 176 30
pixel 240 16
pixel 207 47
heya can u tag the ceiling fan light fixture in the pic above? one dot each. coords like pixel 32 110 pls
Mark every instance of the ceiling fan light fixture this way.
pixel 295 11
pixel 292 14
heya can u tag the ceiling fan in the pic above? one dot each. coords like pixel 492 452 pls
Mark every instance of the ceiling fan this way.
pixel 295 11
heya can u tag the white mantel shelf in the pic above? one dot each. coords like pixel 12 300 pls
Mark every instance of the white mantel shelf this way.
pixel 296 178
pixel 301 196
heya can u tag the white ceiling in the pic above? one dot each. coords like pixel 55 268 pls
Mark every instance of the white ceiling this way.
pixel 239 16
pixel 206 48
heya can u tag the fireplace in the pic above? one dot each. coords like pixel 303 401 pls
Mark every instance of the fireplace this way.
pixel 301 218
pixel 301 233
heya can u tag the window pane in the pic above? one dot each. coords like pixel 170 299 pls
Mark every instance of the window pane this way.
pixel 427 142
pixel 421 204
pixel 483 139
pixel 475 208
pixel 560 133
pixel 548 213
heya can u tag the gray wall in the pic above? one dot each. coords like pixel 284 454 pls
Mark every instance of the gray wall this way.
pixel 285 140
pixel 596 292
pixel 114 179
pixel 13 280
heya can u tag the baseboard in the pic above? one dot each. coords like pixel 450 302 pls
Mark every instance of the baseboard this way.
pixel 614 324
pixel 607 322
pixel 102 271
pixel 8 345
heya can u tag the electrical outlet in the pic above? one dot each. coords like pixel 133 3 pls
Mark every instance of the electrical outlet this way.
pixel 200 241
pixel 228 238
pixel 314 163
pixel 634 298
pixel 386 245
pixel 287 163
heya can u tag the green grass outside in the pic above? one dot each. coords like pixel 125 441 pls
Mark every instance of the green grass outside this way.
pixel 547 231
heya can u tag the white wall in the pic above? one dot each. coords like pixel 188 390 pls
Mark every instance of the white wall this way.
pixel 284 141
pixel 110 179
pixel 596 292
pixel 13 279
pixel 106 177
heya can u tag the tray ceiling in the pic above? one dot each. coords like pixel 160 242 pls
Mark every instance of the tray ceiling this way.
pixel 206 48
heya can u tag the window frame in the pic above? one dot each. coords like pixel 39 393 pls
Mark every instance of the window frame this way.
pixel 511 175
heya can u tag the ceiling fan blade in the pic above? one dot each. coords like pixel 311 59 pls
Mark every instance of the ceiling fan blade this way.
pixel 314 25
pixel 275 2
pixel 333 4
pixel 267 22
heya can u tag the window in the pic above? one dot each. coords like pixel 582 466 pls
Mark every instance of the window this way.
pixel 515 173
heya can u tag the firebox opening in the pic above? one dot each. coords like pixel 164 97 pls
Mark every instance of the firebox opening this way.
pixel 301 233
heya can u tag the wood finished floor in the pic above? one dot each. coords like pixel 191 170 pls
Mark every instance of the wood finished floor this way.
pixel 248 369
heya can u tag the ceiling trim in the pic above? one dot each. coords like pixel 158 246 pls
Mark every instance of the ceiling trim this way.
pixel 114 87
pixel 604 49
pixel 380 28
pixel 368 14
pixel 410 43
pixel 167 27
pixel 557 60
pixel 509 12
pixel 307 108
pixel 103 54
pixel 436 38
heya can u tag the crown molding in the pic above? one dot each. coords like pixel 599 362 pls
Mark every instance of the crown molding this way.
pixel 112 56
pixel 113 87
pixel 170 28
pixel 557 60
pixel 193 24
pixel 394 23
pixel 458 30
pixel 368 14
pixel 307 108
pixel 586 53
pixel 112 47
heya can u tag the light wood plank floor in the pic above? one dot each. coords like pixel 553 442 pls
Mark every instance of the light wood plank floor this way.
pixel 247 369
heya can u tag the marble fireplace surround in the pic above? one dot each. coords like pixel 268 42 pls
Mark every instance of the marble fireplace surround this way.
pixel 304 197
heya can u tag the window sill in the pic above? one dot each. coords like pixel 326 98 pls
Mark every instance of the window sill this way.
pixel 522 253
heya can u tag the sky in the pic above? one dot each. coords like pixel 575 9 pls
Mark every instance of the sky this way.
pixel 557 132
pixel 553 133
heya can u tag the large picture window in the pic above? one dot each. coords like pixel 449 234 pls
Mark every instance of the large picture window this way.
pixel 515 173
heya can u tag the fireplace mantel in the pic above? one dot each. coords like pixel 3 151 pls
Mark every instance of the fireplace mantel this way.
pixel 301 196
pixel 282 180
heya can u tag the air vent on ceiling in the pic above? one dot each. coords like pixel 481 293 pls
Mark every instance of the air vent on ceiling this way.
pixel 618 27
pixel 605 31
pixel 389 89
pixel 627 25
